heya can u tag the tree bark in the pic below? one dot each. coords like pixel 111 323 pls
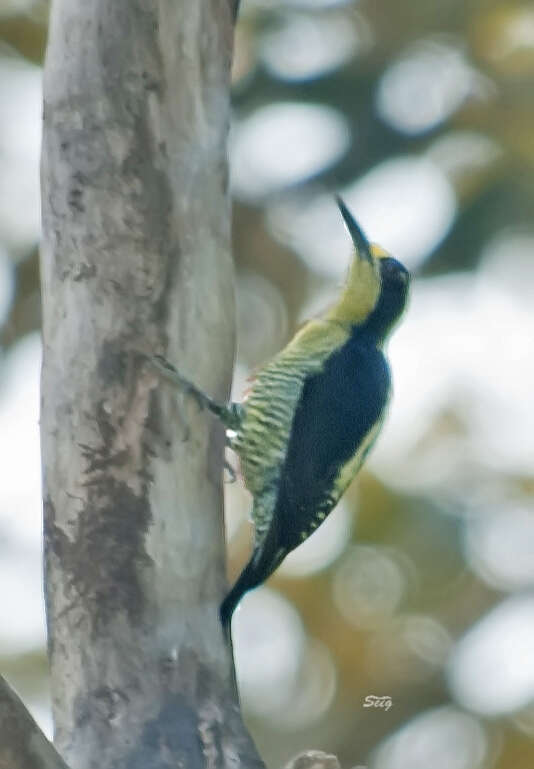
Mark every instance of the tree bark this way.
pixel 22 743
pixel 136 261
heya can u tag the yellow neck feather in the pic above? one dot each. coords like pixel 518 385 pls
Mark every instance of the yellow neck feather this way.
pixel 360 294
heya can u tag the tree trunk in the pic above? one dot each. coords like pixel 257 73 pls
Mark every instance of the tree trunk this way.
pixel 136 261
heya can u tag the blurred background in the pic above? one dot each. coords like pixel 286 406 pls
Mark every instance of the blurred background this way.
pixel 420 586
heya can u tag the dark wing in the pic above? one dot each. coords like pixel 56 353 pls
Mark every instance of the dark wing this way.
pixel 337 410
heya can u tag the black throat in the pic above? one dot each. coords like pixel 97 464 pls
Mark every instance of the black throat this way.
pixel 385 315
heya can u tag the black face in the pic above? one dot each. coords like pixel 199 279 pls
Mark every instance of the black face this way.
pixel 395 280
pixel 394 273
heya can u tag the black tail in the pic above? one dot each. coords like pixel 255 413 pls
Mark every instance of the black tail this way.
pixel 265 559
pixel 247 580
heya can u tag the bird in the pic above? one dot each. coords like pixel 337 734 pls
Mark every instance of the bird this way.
pixel 313 412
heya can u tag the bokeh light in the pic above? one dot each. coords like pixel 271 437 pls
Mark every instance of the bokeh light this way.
pixel 505 38
pixel 500 544
pixel 11 7
pixel 444 738
pixel 269 640
pixel 304 47
pixel 426 85
pixel 262 320
pixel 7 284
pixel 20 126
pixel 406 205
pixel 406 647
pixel 21 608
pixel 283 144
pixel 491 669
pixel 368 585
pixel 419 585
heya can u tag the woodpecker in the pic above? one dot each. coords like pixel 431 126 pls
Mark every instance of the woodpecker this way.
pixel 313 412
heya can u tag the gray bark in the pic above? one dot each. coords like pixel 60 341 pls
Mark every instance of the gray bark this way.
pixel 136 261
pixel 22 743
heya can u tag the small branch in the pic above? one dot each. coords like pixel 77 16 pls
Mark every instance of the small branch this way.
pixel 22 743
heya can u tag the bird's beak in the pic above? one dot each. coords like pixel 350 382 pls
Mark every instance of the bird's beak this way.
pixel 358 238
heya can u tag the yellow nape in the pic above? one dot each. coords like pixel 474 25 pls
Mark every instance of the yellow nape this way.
pixel 378 252
pixel 361 291
pixel 316 340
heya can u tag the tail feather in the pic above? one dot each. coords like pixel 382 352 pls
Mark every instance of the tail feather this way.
pixel 263 562
pixel 244 583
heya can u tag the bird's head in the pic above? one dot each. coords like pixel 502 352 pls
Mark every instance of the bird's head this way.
pixel 377 284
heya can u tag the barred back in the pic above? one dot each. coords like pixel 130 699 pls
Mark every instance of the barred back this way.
pixel 268 412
